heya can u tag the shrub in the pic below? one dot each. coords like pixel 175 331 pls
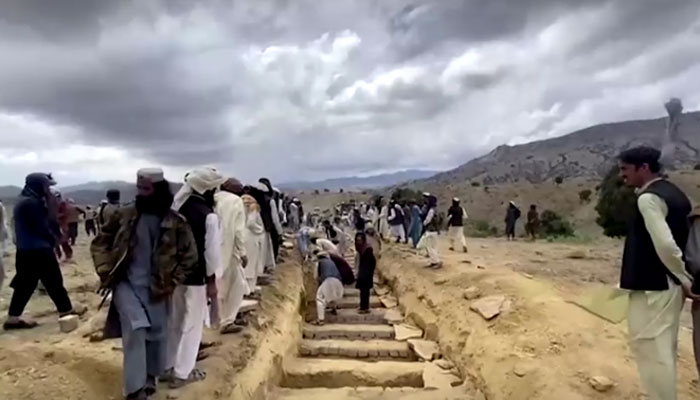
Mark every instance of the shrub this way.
pixel 480 228
pixel 326 191
pixel 402 195
pixel 697 167
pixel 616 205
pixel 552 224
pixel 585 195
pixel 340 190
pixel 476 184
pixel 316 191
pixel 559 180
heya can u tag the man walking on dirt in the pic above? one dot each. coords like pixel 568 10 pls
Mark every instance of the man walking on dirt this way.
pixel 653 270
pixel 455 220
pixel 35 258
pixel 142 253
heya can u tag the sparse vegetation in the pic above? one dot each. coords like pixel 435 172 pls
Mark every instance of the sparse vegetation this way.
pixel 585 195
pixel 316 191
pixel 553 224
pixel 559 180
pixel 697 167
pixel 340 190
pixel 402 195
pixel 476 184
pixel 616 205
pixel 326 191
pixel 481 229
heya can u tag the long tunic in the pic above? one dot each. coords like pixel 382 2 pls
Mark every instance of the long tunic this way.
pixel 253 237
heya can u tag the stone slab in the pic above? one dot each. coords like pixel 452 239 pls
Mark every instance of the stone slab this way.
pixel 488 307
pixel 349 302
pixel 425 349
pixel 329 373
pixel 248 305
pixel 348 331
pixel 403 332
pixel 349 316
pixel 356 348
pixel 370 393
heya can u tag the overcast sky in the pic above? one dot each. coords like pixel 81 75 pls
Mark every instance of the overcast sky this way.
pixel 308 89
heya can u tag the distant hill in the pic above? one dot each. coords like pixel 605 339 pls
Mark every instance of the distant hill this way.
pixel 585 153
pixel 9 192
pixel 357 183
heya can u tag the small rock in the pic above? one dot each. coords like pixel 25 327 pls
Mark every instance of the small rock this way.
pixel 521 369
pixel 577 255
pixel 404 332
pixel 488 307
pixel 389 301
pixel 466 262
pixel 441 281
pixel 528 276
pixel 472 293
pixel 425 349
pixel 287 245
pixel 431 303
pixel 393 317
pixel 601 383
pixel 539 253
pixel 480 267
pixel 444 364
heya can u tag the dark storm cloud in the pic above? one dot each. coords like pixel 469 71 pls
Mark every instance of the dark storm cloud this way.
pixel 300 86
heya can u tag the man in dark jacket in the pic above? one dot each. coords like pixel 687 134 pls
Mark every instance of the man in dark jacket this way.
pixel 455 222
pixel 365 272
pixel 35 258
pixel 142 253
pixel 654 270
pixel 330 285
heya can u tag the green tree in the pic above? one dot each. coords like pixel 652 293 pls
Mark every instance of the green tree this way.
pixel 616 205
pixel 585 195
pixel 553 224
pixel 402 195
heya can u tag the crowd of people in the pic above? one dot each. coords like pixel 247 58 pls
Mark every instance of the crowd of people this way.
pixel 171 264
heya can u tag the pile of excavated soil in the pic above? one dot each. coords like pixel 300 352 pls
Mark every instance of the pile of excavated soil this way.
pixel 540 346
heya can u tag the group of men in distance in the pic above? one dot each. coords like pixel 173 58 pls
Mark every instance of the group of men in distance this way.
pixel 168 264
pixel 660 264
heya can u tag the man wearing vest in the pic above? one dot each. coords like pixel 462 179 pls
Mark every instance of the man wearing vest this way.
pixel 455 220
pixel 396 221
pixel 653 270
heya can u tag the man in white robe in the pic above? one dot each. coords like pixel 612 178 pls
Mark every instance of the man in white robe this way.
pixel 188 311
pixel 231 283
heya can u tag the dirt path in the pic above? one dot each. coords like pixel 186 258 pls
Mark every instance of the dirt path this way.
pixel 543 347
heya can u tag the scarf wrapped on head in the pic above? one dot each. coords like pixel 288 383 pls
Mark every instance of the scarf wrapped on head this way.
pixel 200 181
pixel 250 203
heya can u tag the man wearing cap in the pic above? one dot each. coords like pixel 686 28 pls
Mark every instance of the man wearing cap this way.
pixel 195 201
pixel 108 207
pixel 142 253
pixel 231 283
pixel 455 221
pixel 35 258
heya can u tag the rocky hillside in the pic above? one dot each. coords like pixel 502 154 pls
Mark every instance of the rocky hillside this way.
pixel 585 153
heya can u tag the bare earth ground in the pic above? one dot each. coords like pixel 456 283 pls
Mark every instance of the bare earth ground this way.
pixel 44 364
pixel 558 345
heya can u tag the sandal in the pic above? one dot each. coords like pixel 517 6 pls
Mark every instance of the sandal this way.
pixel 19 324
pixel 231 328
pixel 195 376
pixel 138 395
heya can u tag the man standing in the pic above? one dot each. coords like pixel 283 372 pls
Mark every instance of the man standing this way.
pixel 231 285
pixel 330 285
pixel 108 208
pixel 294 219
pixel 90 216
pixel 35 258
pixel 429 241
pixel 512 216
pixel 142 253
pixel 73 217
pixel 276 227
pixel 195 201
pixel 533 222
pixel 455 221
pixel 653 270
pixel 396 219
pixel 365 271
pixel 692 257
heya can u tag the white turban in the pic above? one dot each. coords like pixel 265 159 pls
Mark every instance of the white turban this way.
pixel 200 180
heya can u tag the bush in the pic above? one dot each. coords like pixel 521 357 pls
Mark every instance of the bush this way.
pixel 476 184
pixel 559 180
pixel 585 195
pixel 402 195
pixel 479 228
pixel 616 205
pixel 326 191
pixel 316 191
pixel 340 190
pixel 697 167
pixel 552 224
